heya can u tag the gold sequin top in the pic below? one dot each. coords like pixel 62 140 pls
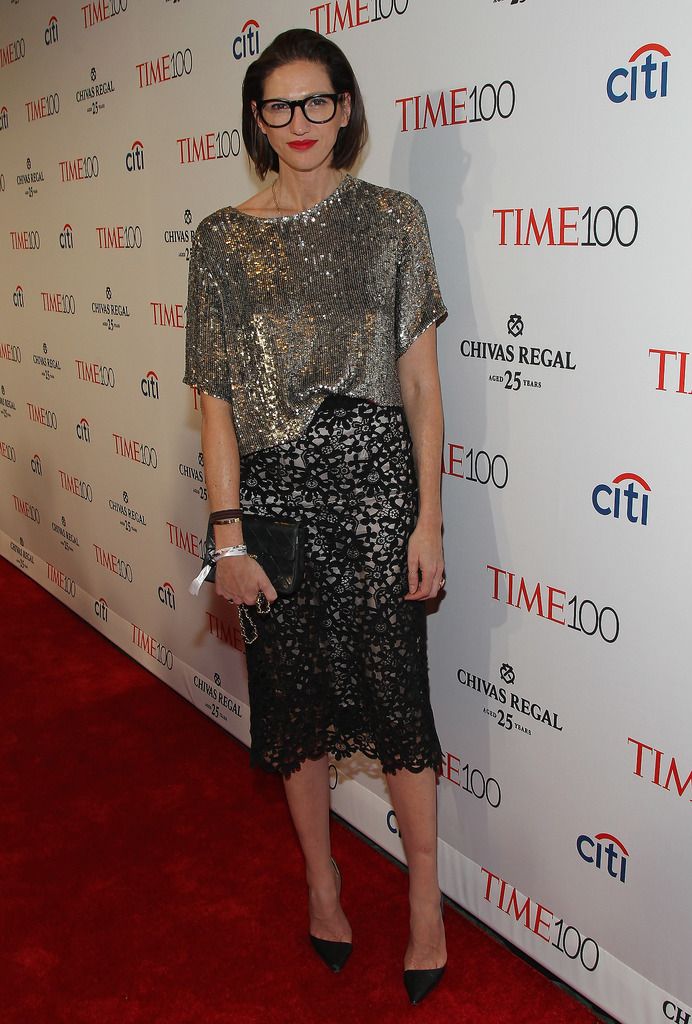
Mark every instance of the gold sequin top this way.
pixel 282 311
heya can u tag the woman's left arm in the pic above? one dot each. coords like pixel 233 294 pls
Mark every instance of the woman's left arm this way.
pixel 422 398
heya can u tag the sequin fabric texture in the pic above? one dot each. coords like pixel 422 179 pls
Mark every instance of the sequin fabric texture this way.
pixel 282 311
pixel 341 665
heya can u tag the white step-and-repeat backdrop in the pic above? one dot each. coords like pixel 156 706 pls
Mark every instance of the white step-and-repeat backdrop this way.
pixel 549 143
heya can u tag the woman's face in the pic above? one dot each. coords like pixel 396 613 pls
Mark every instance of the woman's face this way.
pixel 302 144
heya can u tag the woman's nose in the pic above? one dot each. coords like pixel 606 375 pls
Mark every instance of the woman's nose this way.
pixel 299 122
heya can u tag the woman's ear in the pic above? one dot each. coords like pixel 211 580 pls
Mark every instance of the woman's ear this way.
pixel 345 108
pixel 255 114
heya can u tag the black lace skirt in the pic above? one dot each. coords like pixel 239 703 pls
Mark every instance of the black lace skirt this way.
pixel 342 664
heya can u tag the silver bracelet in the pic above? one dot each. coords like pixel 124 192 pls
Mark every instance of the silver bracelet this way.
pixel 236 550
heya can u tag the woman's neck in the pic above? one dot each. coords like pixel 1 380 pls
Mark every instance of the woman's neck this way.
pixel 295 191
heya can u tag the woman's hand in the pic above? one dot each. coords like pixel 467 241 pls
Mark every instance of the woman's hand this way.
pixel 240 578
pixel 425 563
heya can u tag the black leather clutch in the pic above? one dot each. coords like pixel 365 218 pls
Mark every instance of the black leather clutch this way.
pixel 278 544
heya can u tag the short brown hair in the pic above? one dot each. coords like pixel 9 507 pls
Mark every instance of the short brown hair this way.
pixel 303 44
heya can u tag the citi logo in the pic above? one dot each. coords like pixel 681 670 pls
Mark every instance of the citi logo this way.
pixel 36 464
pixel 626 83
pixel 101 609
pixel 166 593
pixel 51 34
pixel 134 159
pixel 168 314
pixel 616 500
pixel 18 297
pixel 149 385
pixel 247 44
pixel 604 851
pixel 4 118
pixel 66 237
pixel 83 430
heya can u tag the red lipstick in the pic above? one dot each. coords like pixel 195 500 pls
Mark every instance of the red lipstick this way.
pixel 303 143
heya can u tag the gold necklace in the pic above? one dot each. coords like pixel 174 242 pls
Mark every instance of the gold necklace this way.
pixel 276 202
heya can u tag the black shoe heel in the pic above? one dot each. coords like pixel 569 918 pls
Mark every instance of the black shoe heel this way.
pixel 333 954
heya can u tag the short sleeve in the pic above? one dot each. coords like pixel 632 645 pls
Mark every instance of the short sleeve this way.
pixel 206 357
pixel 418 300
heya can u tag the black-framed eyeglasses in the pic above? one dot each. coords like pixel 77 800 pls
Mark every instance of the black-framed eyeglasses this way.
pixel 318 108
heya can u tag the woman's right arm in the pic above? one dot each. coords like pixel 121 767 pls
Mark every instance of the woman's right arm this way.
pixel 238 578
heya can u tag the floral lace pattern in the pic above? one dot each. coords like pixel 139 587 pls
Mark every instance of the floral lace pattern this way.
pixel 341 665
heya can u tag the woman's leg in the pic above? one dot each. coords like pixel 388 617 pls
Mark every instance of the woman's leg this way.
pixel 307 792
pixel 415 805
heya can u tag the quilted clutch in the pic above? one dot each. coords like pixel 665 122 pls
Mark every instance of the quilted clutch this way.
pixel 278 545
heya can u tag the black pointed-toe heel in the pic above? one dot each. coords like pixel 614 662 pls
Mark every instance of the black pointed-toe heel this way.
pixel 333 954
pixel 419 984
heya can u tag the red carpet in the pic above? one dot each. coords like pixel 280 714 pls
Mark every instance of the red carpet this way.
pixel 150 878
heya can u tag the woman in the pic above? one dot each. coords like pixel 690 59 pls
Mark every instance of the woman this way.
pixel 312 310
